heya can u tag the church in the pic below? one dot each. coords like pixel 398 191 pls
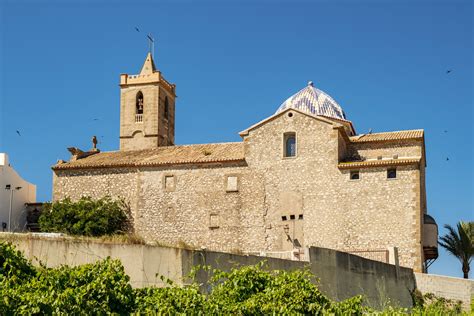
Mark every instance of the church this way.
pixel 301 177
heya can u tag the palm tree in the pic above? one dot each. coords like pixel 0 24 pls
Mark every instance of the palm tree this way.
pixel 460 244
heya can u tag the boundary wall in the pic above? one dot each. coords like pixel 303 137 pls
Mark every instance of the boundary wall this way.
pixel 448 287
pixel 341 275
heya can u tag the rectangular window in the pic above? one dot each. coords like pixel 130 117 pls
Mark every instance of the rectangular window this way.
pixel 289 144
pixel 292 216
pixel 391 173
pixel 169 183
pixel 283 218
pixel 354 175
pixel 232 184
pixel 214 221
pixel 300 216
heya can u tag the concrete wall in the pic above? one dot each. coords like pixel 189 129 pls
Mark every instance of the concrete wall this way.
pixel 27 194
pixel 341 275
pixel 448 287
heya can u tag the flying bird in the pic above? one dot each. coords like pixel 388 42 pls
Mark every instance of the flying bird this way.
pixel 445 131
pixel 18 132
pixel 447 158
pixel 448 71
pixel 137 29
pixel 96 119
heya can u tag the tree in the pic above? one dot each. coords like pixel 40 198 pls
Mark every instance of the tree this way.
pixel 460 244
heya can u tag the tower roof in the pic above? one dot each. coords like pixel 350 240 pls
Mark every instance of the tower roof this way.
pixel 148 66
pixel 313 101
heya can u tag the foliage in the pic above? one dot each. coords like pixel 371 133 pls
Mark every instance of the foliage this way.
pixel 460 243
pixel 103 288
pixel 85 217
pixel 171 300
pixel 87 289
pixel 13 266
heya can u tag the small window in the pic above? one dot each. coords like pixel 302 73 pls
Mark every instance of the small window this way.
pixel 214 221
pixel 169 183
pixel 139 103
pixel 292 216
pixel 391 173
pixel 300 216
pixel 290 144
pixel 355 175
pixel 166 114
pixel 232 184
pixel 283 218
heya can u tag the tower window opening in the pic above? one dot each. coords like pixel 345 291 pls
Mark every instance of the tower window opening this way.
pixel 292 216
pixel 139 103
pixel 166 114
pixel 283 218
pixel 391 173
pixel 290 145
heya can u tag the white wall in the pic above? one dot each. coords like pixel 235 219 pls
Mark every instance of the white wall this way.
pixel 27 194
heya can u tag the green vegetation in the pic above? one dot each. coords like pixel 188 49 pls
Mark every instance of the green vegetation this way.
pixel 86 217
pixel 460 243
pixel 103 288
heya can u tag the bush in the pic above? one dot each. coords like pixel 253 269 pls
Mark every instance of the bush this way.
pixel 85 217
pixel 13 266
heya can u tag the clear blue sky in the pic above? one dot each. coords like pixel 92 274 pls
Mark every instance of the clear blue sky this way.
pixel 385 62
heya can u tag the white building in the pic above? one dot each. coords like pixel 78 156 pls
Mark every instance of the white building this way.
pixel 14 193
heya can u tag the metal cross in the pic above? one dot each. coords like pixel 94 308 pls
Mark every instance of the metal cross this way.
pixel 151 44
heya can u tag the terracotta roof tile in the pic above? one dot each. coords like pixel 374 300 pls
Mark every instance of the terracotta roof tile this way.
pixel 378 163
pixel 388 136
pixel 186 154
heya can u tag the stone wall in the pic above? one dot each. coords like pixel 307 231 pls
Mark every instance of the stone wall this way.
pixel 280 202
pixel 448 287
pixel 370 213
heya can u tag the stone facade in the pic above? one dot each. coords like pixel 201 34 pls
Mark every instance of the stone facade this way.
pixel 259 200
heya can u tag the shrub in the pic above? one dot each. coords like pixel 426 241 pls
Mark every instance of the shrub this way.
pixel 99 288
pixel 85 217
pixel 13 265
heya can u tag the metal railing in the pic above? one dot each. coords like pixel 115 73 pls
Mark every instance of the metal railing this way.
pixel 138 118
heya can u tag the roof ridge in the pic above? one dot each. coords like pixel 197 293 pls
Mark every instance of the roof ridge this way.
pixel 389 132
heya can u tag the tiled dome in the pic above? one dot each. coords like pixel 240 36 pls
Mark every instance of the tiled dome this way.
pixel 313 101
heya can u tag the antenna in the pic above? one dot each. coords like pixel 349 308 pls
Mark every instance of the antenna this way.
pixel 151 44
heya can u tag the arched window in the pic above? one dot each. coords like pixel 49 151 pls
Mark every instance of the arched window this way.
pixel 290 144
pixel 166 108
pixel 139 103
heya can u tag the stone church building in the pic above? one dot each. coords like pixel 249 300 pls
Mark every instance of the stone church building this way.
pixel 301 177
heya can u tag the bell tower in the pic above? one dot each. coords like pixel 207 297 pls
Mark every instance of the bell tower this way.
pixel 147 109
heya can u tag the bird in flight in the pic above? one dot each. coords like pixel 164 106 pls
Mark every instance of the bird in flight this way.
pixel 447 158
pixel 96 119
pixel 18 132
pixel 448 71
pixel 137 29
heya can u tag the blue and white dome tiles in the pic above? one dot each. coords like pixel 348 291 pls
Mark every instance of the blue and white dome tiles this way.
pixel 313 101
